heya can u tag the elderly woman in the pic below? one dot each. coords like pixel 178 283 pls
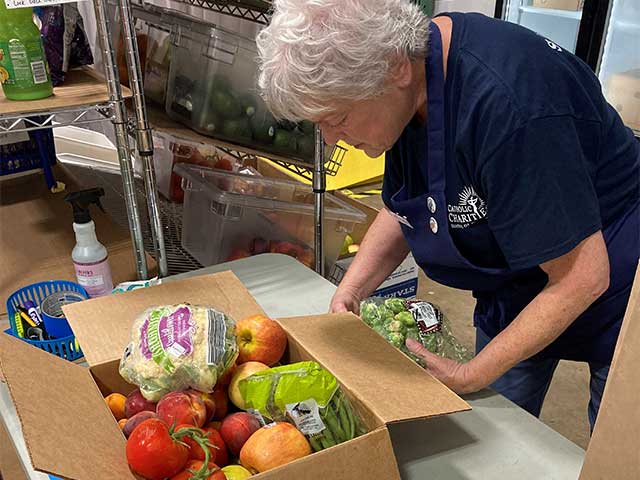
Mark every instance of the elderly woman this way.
pixel 507 174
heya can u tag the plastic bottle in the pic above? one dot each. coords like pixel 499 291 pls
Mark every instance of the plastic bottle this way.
pixel 90 257
pixel 24 72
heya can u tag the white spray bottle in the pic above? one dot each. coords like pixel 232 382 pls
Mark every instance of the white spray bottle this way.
pixel 90 257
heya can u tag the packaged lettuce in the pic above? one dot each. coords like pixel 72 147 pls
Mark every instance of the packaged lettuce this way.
pixel 397 319
pixel 306 395
pixel 175 347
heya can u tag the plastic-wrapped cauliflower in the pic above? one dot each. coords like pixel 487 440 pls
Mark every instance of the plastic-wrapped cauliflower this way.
pixel 175 347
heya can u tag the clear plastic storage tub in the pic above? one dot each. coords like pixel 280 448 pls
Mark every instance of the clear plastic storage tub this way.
pixel 212 88
pixel 229 216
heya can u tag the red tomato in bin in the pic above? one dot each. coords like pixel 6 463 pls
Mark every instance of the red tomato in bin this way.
pixel 154 452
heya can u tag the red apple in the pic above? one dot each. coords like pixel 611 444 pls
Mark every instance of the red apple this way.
pixel 260 339
pixel 207 399
pixel 272 446
pixel 178 407
pixel 236 430
pixel 243 371
pixel 136 403
pixel 221 399
pixel 136 420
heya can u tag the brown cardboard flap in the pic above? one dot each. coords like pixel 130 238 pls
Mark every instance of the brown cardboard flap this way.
pixel 613 454
pixel 385 380
pixel 62 414
pixel 103 325
pixel 367 457
pixel 10 464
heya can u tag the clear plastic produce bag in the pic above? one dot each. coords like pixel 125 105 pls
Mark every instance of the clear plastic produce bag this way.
pixel 397 319
pixel 175 347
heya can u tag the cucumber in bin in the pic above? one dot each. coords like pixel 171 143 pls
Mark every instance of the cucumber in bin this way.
pixel 263 126
pixel 237 128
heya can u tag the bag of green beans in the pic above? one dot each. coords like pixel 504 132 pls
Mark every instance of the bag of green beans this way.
pixel 309 397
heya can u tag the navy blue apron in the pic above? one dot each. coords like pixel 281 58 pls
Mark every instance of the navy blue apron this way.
pixel 502 293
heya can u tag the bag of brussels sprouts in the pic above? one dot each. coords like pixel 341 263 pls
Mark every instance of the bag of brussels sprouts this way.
pixel 397 319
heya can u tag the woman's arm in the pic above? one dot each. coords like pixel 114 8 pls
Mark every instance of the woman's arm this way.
pixel 576 280
pixel 381 251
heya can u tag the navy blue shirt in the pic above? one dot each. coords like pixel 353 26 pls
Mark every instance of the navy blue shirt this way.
pixel 533 148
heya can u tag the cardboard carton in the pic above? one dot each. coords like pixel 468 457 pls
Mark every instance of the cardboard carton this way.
pixel 571 5
pixel 613 452
pixel 402 283
pixel 70 432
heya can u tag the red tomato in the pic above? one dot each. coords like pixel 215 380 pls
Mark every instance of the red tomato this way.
pixel 153 451
pixel 221 453
pixel 217 452
pixel 194 466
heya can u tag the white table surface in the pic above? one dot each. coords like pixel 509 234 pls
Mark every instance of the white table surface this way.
pixel 495 440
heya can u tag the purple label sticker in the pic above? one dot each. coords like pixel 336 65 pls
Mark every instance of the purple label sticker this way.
pixel 175 332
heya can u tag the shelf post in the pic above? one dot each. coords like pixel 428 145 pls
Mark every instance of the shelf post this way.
pixel 319 189
pixel 144 138
pixel 122 138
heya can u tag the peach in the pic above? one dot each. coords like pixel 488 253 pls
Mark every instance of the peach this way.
pixel 178 407
pixel 116 402
pixel 207 399
pixel 136 420
pixel 136 403
pixel 236 430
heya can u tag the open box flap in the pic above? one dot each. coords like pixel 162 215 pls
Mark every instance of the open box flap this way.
pixel 385 380
pixel 367 457
pixel 63 415
pixel 612 452
pixel 103 325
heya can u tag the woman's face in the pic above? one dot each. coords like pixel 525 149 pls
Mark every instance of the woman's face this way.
pixel 374 125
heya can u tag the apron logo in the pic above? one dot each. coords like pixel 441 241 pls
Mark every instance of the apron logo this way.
pixel 470 209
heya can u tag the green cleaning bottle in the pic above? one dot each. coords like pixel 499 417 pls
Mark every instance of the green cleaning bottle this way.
pixel 24 72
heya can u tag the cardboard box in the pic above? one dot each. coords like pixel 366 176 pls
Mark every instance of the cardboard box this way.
pixel 613 453
pixel 403 282
pixel 623 92
pixel 70 432
pixel 37 235
pixel 571 5
pixel 10 464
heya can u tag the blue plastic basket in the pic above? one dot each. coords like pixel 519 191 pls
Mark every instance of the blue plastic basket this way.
pixel 37 152
pixel 66 347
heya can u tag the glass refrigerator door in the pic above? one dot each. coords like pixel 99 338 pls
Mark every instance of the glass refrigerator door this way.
pixel 557 20
pixel 620 63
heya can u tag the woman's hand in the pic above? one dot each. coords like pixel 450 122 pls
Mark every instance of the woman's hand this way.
pixel 345 300
pixel 456 376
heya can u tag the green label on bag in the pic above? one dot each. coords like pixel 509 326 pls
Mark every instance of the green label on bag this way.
pixel 22 64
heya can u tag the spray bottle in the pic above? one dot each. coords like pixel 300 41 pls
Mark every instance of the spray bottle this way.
pixel 89 255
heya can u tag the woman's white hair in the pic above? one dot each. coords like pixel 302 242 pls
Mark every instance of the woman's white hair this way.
pixel 315 53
